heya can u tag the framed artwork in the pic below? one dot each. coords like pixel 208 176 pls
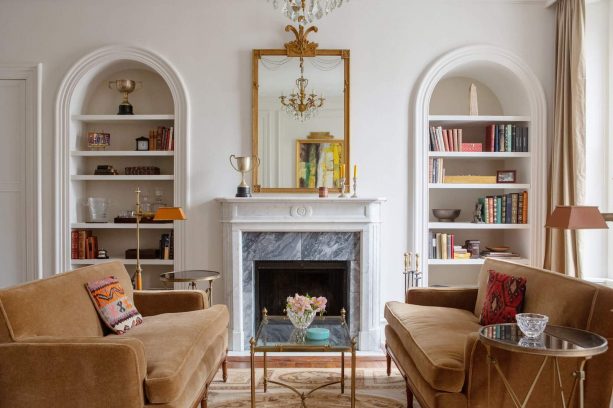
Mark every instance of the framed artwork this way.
pixel 318 162
pixel 505 176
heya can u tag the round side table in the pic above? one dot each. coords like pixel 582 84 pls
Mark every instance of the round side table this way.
pixel 192 277
pixel 555 342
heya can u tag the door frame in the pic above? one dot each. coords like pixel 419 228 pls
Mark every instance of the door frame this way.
pixel 32 75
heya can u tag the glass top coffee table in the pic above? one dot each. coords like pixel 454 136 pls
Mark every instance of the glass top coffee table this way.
pixel 555 342
pixel 276 334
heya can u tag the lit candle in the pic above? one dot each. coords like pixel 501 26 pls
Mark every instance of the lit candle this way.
pixel 355 171
pixel 342 171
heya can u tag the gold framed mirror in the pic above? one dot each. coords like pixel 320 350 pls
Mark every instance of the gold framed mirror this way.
pixel 300 116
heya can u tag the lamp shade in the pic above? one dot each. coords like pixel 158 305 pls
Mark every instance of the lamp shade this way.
pixel 169 214
pixel 574 217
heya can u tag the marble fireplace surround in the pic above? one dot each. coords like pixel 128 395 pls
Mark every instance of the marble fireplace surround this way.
pixel 305 227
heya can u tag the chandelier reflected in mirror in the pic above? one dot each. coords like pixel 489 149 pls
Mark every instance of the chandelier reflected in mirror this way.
pixel 300 104
pixel 305 12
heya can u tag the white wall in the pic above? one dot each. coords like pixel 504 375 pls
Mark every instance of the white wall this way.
pixel 210 41
pixel 594 243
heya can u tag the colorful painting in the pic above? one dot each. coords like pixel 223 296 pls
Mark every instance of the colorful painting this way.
pixel 318 162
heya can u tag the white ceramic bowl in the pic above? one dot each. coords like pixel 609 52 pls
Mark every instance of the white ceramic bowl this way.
pixel 531 324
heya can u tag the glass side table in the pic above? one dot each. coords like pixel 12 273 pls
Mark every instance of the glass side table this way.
pixel 192 277
pixel 555 342
pixel 276 334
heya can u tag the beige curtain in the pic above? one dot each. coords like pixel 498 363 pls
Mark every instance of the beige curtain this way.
pixel 567 170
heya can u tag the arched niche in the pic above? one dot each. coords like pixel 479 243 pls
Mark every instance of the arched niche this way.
pixel 508 85
pixel 84 91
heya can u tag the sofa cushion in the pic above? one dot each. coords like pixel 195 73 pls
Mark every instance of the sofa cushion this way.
pixel 434 337
pixel 113 306
pixel 504 298
pixel 176 344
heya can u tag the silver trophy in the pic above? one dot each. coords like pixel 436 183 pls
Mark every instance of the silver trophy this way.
pixel 244 164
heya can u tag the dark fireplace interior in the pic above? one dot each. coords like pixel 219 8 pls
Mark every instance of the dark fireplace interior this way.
pixel 276 280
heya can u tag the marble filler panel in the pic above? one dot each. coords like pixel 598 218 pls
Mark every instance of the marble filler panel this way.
pixel 299 246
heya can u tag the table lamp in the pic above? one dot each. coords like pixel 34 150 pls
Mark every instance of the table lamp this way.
pixel 162 214
pixel 574 217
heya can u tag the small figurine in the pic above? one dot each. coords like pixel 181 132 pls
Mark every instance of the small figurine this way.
pixel 478 214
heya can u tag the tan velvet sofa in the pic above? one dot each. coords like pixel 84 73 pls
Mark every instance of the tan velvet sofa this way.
pixel 433 339
pixel 55 351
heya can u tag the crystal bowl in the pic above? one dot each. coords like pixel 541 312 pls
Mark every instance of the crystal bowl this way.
pixel 301 320
pixel 531 324
pixel 446 215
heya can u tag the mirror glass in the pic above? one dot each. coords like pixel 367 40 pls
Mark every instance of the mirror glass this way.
pixel 300 147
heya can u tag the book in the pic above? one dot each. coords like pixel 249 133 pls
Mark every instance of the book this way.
pixel 525 207
pixel 74 244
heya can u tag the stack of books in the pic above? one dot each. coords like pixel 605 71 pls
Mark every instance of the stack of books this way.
pixel 509 208
pixel 436 171
pixel 83 245
pixel 445 140
pixel 506 138
pixel 459 252
pixel 162 138
pixel 505 254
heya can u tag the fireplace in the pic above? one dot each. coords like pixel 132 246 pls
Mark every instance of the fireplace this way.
pixel 276 280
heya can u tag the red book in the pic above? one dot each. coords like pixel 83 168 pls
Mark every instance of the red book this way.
pixel 490 210
pixel 74 244
pixel 490 134
pixel 446 139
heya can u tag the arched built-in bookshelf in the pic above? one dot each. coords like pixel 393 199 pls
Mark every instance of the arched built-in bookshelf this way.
pixel 509 93
pixel 85 104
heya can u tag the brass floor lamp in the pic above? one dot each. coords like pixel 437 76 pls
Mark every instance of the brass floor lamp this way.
pixel 162 214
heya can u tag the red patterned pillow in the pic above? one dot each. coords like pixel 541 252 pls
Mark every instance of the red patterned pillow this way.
pixel 114 307
pixel 504 298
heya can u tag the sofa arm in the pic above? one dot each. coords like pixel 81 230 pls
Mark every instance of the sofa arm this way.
pixel 72 372
pixel 457 298
pixel 155 302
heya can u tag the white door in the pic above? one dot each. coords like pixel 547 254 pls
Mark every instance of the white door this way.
pixel 13 246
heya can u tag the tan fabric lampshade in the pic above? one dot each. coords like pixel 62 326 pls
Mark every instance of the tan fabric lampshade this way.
pixel 169 214
pixel 576 217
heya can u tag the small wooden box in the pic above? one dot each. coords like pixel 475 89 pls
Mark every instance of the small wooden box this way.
pixel 472 147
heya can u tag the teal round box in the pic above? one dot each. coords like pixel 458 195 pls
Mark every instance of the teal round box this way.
pixel 316 333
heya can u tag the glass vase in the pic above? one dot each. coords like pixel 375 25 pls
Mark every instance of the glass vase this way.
pixel 301 320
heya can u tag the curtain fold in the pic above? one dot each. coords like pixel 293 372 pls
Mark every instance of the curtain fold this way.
pixel 567 167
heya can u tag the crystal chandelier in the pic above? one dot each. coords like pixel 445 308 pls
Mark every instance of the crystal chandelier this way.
pixel 306 12
pixel 301 105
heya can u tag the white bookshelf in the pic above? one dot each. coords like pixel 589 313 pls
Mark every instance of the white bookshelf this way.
pixel 506 96
pixel 90 108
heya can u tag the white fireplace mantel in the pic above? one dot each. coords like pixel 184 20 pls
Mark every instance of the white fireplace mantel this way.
pixel 304 214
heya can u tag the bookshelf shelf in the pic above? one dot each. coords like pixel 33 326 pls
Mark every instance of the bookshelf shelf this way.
pixel 480 155
pixel 93 225
pixel 468 121
pixel 122 153
pixel 122 118
pixel 500 186
pixel 125 261
pixel 474 226
pixel 459 262
pixel 163 177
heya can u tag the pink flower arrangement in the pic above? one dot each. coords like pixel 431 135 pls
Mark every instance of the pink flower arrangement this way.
pixel 300 305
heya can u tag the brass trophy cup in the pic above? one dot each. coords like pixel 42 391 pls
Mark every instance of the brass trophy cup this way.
pixel 127 86
pixel 244 164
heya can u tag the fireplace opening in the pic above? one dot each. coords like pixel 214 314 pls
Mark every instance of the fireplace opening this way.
pixel 276 280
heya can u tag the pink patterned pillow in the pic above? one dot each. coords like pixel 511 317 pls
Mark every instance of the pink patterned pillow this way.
pixel 112 304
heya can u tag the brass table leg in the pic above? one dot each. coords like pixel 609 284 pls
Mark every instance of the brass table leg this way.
pixel 580 376
pixel 265 374
pixel 342 372
pixel 210 293
pixel 353 363
pixel 252 351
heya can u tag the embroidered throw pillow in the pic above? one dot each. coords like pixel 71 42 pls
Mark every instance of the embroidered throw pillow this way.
pixel 504 298
pixel 113 306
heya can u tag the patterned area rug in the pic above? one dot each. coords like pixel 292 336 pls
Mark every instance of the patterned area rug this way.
pixel 374 389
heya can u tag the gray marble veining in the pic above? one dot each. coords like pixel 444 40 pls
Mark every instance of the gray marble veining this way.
pixel 287 246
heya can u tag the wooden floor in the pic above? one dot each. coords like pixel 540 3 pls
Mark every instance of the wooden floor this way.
pixel 307 362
